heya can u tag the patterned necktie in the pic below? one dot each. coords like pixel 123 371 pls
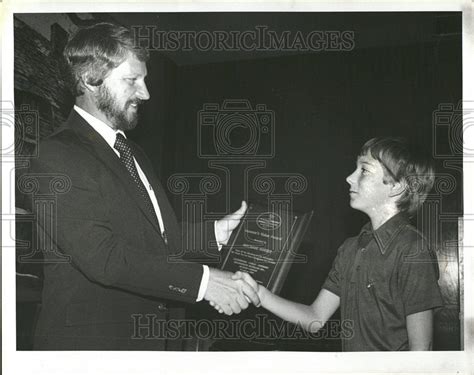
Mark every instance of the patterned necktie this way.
pixel 126 156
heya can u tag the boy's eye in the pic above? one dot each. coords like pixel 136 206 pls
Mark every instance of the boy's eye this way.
pixel 365 171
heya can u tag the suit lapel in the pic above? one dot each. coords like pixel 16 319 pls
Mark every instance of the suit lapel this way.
pixel 167 212
pixel 109 158
pixel 169 218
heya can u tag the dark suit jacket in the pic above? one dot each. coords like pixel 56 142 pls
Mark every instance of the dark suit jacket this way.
pixel 119 269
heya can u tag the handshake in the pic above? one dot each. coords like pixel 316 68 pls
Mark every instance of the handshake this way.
pixel 231 293
pixel 227 292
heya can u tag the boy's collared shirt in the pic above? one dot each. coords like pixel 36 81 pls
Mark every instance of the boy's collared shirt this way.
pixel 381 277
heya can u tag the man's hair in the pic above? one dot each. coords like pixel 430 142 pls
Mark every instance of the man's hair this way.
pixel 94 51
pixel 402 163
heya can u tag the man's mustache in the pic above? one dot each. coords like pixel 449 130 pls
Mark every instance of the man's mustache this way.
pixel 138 102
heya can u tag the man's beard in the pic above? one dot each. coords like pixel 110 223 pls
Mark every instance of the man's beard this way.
pixel 119 117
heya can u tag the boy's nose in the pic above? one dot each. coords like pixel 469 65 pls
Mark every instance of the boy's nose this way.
pixel 349 179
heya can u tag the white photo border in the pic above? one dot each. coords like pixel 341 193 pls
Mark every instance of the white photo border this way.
pixel 67 362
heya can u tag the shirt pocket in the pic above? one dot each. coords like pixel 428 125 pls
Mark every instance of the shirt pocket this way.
pixel 380 289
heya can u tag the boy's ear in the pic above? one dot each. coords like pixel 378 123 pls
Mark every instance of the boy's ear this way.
pixel 398 188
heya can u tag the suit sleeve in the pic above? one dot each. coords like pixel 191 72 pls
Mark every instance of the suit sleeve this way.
pixel 84 231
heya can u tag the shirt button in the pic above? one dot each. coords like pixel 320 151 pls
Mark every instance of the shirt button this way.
pixel 358 268
pixel 363 249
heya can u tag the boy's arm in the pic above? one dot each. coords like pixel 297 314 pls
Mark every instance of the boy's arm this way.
pixel 311 318
pixel 420 330
pixel 418 283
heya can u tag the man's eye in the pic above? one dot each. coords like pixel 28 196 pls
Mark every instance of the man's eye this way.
pixel 131 80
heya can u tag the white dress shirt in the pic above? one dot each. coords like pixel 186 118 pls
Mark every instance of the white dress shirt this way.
pixel 109 136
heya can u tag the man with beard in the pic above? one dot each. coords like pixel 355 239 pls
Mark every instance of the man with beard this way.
pixel 115 223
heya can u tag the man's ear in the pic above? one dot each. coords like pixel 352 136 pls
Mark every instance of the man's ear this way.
pixel 90 83
pixel 398 188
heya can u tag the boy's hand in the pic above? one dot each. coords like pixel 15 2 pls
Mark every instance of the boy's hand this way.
pixel 231 295
pixel 249 280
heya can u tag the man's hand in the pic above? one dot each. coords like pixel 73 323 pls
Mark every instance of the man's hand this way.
pixel 227 295
pixel 253 284
pixel 228 223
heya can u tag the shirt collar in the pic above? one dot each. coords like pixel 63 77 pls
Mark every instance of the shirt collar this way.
pixel 385 234
pixel 100 127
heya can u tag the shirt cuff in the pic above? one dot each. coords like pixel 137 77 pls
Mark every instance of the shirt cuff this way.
pixel 204 282
pixel 219 246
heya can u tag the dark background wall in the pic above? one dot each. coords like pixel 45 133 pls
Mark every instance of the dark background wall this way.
pixel 325 106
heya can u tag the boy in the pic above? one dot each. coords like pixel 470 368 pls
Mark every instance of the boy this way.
pixel 384 279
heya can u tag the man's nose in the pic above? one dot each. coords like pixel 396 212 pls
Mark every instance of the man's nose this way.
pixel 142 92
